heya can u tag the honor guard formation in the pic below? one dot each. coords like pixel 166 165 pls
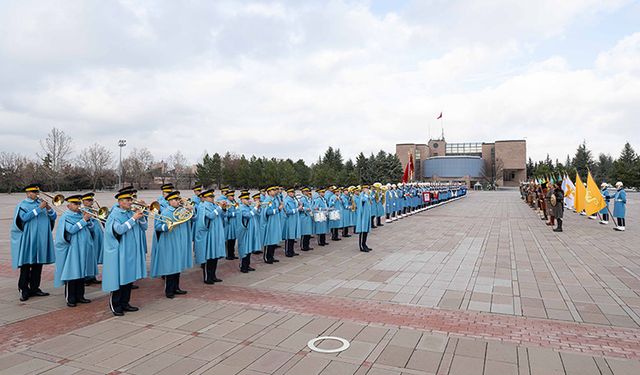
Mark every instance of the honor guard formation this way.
pixel 205 227
pixel 550 196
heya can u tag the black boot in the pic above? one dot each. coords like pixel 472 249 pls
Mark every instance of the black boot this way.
pixel 379 222
pixel 559 228
pixel 305 243
pixel 365 235
pixel 373 222
pixel 345 232
pixel 244 263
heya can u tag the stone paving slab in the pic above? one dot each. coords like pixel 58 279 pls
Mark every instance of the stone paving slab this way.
pixel 475 286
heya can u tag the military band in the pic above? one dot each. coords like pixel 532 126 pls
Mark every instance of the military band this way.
pixel 203 226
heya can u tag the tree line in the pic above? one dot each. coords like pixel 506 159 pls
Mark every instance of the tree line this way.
pixel 95 167
pixel 605 168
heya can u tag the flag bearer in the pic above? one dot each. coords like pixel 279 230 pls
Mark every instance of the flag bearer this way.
pixel 604 189
pixel 619 202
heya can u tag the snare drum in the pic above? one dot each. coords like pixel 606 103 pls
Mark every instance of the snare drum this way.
pixel 319 216
pixel 334 215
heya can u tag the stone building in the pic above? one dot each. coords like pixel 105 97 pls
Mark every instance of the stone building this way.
pixel 503 161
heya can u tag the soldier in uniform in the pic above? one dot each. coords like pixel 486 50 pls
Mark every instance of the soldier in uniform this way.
pixel 558 209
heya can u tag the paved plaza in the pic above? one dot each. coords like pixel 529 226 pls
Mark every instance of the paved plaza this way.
pixel 477 286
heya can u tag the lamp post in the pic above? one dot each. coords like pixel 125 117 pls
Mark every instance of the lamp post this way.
pixel 121 143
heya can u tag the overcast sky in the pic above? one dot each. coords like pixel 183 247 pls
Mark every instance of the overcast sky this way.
pixel 288 79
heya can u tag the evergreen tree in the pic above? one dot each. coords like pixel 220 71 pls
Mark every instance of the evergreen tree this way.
pixel 230 169
pixel 303 173
pixel 627 167
pixel 604 171
pixel 244 173
pixel 583 160
pixel 530 168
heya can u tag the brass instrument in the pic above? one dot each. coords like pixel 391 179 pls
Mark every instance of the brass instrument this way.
pixel 187 202
pixel 152 211
pixel 56 200
pixel 353 202
pixel 99 213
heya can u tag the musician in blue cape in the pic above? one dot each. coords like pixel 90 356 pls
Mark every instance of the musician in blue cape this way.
pixel 32 241
pixel 334 206
pixel 389 204
pixel 363 217
pixel 209 238
pixel 292 210
pixel 347 212
pixel 272 228
pixel 619 206
pixel 195 199
pixel 74 244
pixel 306 219
pixel 197 189
pixel 124 253
pixel 231 224
pixel 248 231
pixel 166 189
pixel 279 202
pixel 257 198
pixel 281 195
pixel 171 248
pixel 97 236
pixel 320 210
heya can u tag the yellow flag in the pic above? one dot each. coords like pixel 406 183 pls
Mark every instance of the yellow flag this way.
pixel 594 199
pixel 580 195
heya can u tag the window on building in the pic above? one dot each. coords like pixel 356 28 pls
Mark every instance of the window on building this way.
pixel 474 149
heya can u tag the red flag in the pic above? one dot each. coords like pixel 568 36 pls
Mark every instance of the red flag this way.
pixel 405 176
pixel 439 116
pixel 408 170
pixel 411 167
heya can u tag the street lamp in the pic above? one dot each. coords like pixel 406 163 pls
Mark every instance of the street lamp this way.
pixel 121 143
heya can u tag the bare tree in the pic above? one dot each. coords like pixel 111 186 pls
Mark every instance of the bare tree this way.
pixel 179 168
pixel 137 166
pixel 56 150
pixel 97 161
pixel 12 167
pixel 491 172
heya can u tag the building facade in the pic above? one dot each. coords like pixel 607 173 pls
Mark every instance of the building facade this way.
pixel 437 160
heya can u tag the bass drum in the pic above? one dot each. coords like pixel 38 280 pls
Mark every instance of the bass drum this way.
pixel 319 216
pixel 334 215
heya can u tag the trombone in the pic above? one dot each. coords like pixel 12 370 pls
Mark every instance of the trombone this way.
pixel 99 213
pixel 54 201
pixel 180 215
